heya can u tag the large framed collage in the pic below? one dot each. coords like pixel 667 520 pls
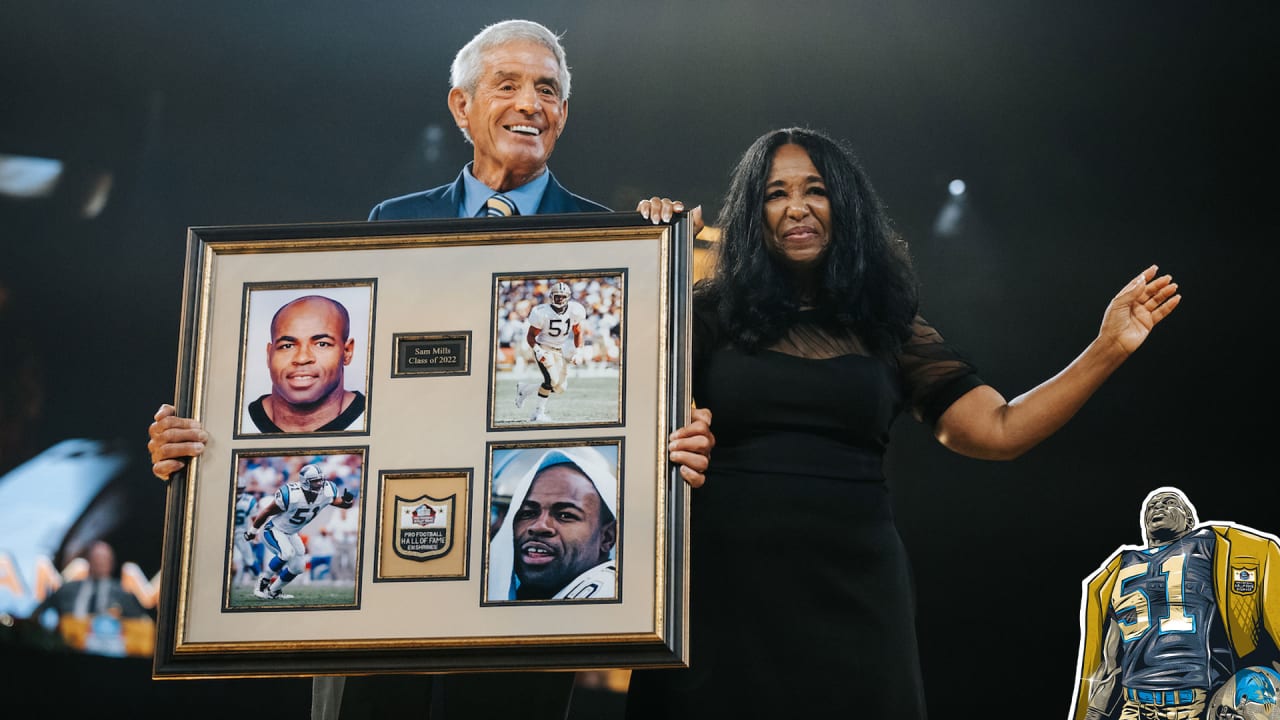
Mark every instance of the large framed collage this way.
pixel 397 411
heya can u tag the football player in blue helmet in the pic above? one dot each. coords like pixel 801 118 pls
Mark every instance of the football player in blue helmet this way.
pixel 289 510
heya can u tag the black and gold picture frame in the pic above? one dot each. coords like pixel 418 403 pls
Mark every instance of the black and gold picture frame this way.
pixel 398 506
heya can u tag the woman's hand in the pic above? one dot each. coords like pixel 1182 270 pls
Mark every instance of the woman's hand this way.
pixel 1137 308
pixel 691 445
pixel 660 209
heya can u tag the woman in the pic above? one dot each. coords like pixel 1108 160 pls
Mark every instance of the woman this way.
pixel 807 344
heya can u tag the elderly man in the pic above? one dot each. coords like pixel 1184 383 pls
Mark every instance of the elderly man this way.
pixel 510 99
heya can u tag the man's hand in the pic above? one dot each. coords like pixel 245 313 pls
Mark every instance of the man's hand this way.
pixel 250 534
pixel 172 438
pixel 578 358
pixel 540 354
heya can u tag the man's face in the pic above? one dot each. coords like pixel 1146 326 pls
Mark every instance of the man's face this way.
pixel 102 561
pixel 307 353
pixel 515 115
pixel 1165 517
pixel 557 530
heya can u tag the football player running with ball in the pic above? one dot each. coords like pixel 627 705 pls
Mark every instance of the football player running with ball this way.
pixel 555 334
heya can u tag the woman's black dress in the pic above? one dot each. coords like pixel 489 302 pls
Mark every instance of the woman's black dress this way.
pixel 801 591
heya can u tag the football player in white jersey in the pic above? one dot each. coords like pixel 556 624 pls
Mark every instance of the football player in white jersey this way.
pixel 290 509
pixel 555 334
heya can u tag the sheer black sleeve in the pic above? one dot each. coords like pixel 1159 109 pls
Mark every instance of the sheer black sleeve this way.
pixel 934 373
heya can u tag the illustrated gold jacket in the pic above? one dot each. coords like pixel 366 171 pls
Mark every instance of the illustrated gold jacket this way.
pixel 1246 583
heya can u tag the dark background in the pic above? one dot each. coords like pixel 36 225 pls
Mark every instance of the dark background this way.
pixel 1094 138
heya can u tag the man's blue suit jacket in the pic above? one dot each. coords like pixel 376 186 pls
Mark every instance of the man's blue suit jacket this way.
pixel 443 202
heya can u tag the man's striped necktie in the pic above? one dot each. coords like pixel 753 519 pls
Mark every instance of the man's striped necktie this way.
pixel 499 206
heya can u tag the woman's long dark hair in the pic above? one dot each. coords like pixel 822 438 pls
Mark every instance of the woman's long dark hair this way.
pixel 867 283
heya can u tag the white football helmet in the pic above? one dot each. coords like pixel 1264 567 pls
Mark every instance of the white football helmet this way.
pixel 312 477
pixel 560 297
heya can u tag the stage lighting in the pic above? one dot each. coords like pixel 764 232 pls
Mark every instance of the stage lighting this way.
pixel 23 176
pixel 951 215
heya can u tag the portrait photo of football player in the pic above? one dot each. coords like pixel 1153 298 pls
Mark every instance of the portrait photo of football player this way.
pixel 555 510
pixel 305 360
pixel 301 497
pixel 558 350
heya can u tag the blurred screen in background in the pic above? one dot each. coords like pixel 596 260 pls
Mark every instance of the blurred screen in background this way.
pixel 53 507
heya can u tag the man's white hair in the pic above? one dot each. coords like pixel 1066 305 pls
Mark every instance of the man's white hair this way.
pixel 467 64
pixel 465 73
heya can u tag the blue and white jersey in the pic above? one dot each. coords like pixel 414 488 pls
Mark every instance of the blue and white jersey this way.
pixel 246 506
pixel 299 507
pixel 1165 607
